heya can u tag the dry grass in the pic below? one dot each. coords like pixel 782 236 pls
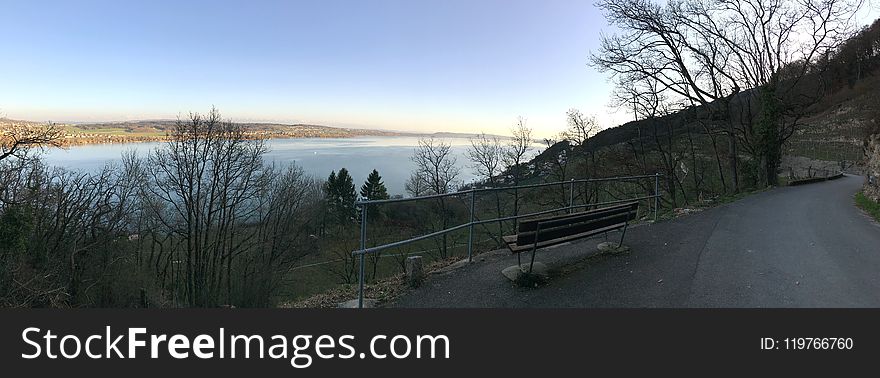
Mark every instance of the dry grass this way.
pixel 383 291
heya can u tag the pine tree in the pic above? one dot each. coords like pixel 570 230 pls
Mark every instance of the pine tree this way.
pixel 340 196
pixel 374 188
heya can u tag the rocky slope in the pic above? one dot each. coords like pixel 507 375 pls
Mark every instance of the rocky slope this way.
pixel 872 167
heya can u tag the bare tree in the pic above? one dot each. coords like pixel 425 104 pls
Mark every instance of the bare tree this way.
pixel 60 237
pixel 515 156
pixel 284 225
pixel 485 154
pixel 17 138
pixel 345 267
pixel 708 52
pixel 436 165
pixel 559 158
pixel 202 211
pixel 580 129
pixel 204 181
pixel 416 185
pixel 651 104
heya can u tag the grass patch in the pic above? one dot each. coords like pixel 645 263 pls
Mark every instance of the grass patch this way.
pixel 729 198
pixel 868 205
pixel 784 181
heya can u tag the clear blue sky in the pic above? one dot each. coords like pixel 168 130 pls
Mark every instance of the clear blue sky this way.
pixel 415 65
pixel 451 65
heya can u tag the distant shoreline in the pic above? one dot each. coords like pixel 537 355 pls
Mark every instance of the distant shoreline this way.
pixel 76 140
pixel 159 131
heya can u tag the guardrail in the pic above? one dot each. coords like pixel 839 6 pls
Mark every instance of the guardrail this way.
pixel 364 205
pixel 811 180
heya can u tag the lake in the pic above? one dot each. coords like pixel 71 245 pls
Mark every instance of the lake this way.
pixel 391 156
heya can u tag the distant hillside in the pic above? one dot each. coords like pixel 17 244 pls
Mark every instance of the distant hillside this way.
pixel 156 130
pixel 272 130
pixel 444 134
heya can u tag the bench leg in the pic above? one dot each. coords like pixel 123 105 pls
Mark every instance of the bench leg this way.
pixel 622 234
pixel 535 246
pixel 532 264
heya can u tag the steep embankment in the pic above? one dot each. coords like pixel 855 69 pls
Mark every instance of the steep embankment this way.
pixel 831 135
pixel 872 167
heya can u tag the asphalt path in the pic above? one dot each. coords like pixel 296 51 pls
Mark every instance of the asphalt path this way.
pixel 803 246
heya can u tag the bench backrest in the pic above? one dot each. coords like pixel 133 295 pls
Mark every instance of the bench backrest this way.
pixel 570 224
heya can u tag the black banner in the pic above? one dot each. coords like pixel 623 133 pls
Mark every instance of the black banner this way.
pixel 384 342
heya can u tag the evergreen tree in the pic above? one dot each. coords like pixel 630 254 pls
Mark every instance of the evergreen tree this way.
pixel 374 188
pixel 340 196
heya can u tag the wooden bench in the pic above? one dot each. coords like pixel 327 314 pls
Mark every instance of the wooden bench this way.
pixel 551 230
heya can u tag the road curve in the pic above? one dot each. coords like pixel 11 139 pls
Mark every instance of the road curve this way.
pixel 804 246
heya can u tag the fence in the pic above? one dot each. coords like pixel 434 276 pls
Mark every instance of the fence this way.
pixel 364 206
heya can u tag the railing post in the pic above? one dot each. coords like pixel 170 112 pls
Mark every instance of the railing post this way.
pixel 471 226
pixel 571 196
pixel 362 257
pixel 656 194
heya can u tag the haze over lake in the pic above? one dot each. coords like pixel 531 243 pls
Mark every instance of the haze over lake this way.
pixel 318 156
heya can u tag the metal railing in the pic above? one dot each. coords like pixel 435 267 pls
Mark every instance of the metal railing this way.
pixel 364 205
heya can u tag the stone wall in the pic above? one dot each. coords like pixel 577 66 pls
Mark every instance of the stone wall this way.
pixel 872 168
pixel 799 167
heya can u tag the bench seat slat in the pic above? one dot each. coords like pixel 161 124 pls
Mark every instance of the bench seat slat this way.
pixel 516 248
pixel 574 227
pixel 557 229
pixel 550 221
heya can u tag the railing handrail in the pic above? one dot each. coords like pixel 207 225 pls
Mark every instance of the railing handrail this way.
pixel 363 251
pixel 401 243
pixel 379 248
pixel 501 188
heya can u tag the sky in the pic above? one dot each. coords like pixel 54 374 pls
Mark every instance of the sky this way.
pixel 451 65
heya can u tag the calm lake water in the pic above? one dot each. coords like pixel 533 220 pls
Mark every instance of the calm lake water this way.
pixel 390 155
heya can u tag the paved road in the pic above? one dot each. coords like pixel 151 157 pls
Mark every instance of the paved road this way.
pixel 805 246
